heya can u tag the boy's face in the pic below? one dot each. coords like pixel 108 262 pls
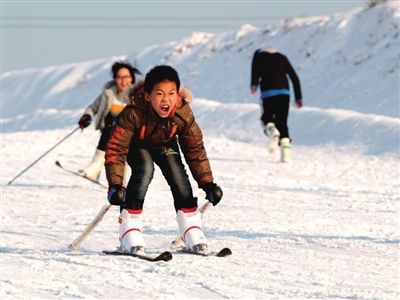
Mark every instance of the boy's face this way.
pixel 163 98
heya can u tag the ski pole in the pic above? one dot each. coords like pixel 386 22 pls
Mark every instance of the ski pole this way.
pixel 203 209
pixel 43 155
pixel 78 241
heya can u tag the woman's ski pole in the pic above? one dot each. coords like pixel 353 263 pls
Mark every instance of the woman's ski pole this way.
pixel 43 155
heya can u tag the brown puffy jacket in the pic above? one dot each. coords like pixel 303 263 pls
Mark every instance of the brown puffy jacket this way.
pixel 139 122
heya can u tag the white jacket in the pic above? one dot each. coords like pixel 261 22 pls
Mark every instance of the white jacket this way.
pixel 102 105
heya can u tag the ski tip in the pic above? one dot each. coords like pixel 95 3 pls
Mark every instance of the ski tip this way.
pixel 57 163
pixel 165 256
pixel 224 252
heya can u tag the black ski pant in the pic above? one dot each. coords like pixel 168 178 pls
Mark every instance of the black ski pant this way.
pixel 106 131
pixel 141 159
pixel 276 110
pixel 105 136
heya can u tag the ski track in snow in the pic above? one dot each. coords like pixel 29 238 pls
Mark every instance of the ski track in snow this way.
pixel 325 226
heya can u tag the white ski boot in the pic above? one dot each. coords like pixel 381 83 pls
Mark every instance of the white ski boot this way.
pixel 130 232
pixel 192 232
pixel 286 151
pixel 94 169
pixel 273 134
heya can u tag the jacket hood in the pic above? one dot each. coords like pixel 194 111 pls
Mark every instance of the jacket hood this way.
pixel 109 85
pixel 110 89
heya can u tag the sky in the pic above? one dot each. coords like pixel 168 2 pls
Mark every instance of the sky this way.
pixel 36 34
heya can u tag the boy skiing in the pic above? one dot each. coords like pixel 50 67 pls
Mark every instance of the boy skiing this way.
pixel 152 130
pixel 270 69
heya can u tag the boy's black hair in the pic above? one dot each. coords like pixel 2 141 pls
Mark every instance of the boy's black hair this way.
pixel 159 74
pixel 119 65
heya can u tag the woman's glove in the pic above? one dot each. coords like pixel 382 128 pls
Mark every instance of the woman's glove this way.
pixel 213 192
pixel 116 194
pixel 85 121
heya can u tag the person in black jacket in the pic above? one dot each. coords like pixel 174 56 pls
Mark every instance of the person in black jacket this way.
pixel 270 70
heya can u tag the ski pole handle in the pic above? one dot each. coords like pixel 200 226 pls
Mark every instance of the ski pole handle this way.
pixel 205 206
pixel 43 155
pixel 78 241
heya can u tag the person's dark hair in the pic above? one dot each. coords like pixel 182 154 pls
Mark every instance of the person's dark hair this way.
pixel 120 65
pixel 159 74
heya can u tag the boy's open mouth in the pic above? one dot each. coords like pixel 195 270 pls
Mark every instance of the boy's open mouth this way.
pixel 164 108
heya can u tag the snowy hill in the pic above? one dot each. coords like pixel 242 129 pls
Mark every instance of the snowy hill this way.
pixel 344 61
pixel 348 63
pixel 325 226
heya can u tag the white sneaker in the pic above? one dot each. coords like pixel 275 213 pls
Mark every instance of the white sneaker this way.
pixel 94 169
pixel 286 150
pixel 130 232
pixel 273 134
pixel 191 231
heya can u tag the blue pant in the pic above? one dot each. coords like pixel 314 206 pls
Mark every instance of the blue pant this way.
pixel 141 159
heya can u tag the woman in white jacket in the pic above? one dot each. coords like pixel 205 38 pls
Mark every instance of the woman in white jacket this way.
pixel 106 107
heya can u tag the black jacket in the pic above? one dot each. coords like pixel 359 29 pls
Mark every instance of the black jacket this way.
pixel 270 70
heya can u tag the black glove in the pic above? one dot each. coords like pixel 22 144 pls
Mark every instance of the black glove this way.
pixel 213 192
pixel 116 194
pixel 85 121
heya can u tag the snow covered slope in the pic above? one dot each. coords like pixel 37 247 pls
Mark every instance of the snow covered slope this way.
pixel 348 61
pixel 325 226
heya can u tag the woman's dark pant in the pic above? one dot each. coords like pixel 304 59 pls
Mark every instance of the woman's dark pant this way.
pixel 276 110
pixel 105 136
pixel 141 159
pixel 106 131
